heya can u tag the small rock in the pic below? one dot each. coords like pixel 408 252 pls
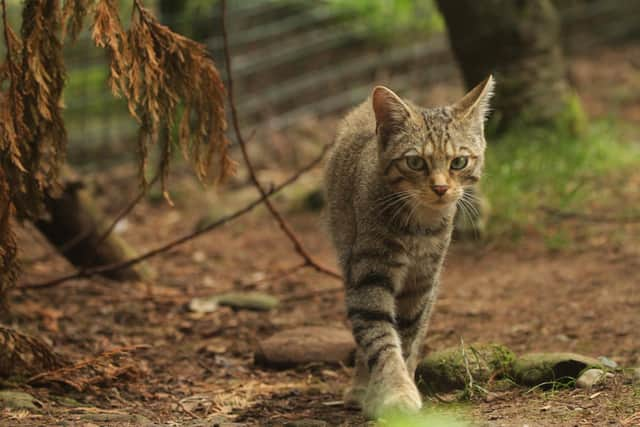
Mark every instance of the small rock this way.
pixel 589 378
pixel 248 300
pixel 490 397
pixel 203 305
pixel 18 400
pixel 304 345
pixel 607 363
pixel 307 422
pixel 199 257
pixel 122 226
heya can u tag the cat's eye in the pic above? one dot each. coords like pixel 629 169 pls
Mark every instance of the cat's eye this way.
pixel 459 163
pixel 416 163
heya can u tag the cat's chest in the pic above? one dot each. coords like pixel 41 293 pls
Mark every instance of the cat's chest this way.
pixel 425 250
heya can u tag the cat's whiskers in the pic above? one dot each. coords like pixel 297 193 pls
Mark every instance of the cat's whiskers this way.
pixel 411 199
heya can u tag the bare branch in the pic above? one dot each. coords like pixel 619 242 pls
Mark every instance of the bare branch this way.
pixel 174 243
pixel 284 226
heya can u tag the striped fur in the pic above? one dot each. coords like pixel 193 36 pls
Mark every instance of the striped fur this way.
pixel 392 230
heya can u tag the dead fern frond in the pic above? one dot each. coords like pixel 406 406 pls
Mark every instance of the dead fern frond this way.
pixel 24 355
pixel 103 369
pixel 40 85
pixel 73 14
pixel 8 248
pixel 169 81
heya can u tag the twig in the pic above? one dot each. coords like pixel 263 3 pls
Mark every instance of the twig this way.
pixel 172 244
pixel 466 367
pixel 588 218
pixel 284 226
pixel 127 210
pixel 5 25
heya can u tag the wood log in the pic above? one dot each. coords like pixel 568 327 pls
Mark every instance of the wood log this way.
pixel 75 226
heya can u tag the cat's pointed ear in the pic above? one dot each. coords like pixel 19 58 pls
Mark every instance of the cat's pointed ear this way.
pixel 474 106
pixel 391 111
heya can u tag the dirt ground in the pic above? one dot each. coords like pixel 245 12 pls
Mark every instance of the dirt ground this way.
pixel 197 369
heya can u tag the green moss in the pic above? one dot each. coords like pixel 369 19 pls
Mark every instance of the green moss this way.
pixel 538 369
pixel 447 369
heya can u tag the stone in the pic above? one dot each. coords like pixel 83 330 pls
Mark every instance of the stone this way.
pixel 608 363
pixel 590 377
pixel 204 305
pixel 248 300
pixel 14 399
pixel 536 368
pixel 635 375
pixel 446 370
pixel 304 345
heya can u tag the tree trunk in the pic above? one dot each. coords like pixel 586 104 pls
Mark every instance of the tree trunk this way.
pixel 519 42
pixel 75 227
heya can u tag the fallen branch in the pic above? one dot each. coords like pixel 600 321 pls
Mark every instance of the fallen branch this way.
pixel 284 226
pixel 174 243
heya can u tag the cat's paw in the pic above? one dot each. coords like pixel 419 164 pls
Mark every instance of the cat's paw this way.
pixel 403 397
pixel 354 397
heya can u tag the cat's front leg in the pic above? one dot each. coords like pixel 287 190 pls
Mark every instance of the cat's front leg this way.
pixel 372 282
pixel 414 306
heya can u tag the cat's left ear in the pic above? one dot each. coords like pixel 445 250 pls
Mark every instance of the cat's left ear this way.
pixel 474 106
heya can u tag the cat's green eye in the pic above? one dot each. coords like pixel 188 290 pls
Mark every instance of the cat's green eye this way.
pixel 459 163
pixel 416 163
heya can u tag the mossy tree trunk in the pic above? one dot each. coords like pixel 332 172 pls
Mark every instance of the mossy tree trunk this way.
pixel 75 226
pixel 519 42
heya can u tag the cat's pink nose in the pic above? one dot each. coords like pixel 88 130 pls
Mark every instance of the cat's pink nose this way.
pixel 440 190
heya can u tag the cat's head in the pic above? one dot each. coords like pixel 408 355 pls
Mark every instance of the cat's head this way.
pixel 431 154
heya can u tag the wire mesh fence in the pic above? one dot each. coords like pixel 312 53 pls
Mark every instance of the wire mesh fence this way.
pixel 294 59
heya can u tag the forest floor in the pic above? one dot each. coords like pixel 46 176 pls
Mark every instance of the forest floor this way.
pixel 194 368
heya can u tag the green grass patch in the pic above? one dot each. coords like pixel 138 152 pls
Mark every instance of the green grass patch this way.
pixel 529 171
pixel 427 417
pixel 391 21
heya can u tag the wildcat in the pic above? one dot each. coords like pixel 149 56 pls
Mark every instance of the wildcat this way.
pixel 393 181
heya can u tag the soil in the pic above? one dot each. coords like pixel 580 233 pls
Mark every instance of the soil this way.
pixel 198 368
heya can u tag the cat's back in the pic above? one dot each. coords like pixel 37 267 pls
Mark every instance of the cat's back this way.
pixel 346 172
pixel 353 142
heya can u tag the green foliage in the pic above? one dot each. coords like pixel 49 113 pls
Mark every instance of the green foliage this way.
pixel 390 20
pixel 528 170
pixel 428 417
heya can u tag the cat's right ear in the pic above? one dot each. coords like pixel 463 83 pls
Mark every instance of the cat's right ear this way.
pixel 391 112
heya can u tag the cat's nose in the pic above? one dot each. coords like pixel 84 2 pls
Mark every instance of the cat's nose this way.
pixel 440 190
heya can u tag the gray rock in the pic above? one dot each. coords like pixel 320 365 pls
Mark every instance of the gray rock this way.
pixel 590 377
pixel 257 301
pixel 248 300
pixel 18 400
pixel 537 368
pixel 304 345
pixel 608 363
